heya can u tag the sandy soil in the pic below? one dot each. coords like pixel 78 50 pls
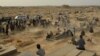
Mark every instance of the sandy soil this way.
pixel 34 35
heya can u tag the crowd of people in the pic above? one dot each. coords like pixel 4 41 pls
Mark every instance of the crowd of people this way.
pixel 20 23
pixel 62 22
pixel 80 44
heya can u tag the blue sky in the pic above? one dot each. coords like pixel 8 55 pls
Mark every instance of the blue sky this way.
pixel 47 2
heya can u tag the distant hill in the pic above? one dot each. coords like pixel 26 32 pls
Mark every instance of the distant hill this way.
pixel 66 6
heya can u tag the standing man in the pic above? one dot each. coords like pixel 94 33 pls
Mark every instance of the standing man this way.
pixel 40 52
pixel 7 29
pixel 83 33
pixel 91 29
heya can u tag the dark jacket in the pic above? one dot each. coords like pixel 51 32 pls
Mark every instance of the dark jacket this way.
pixel 81 43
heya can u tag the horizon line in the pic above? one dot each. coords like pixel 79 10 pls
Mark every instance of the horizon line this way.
pixel 44 5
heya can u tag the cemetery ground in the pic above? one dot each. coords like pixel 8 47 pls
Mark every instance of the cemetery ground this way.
pixel 27 39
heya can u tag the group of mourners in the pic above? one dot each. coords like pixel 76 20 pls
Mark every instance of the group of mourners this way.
pixel 9 23
pixel 20 23
pixel 80 44
pixel 38 20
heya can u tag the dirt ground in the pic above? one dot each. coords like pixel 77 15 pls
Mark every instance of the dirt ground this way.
pixel 26 40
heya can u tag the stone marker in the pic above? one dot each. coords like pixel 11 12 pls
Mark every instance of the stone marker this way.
pixel 26 53
pixel 8 51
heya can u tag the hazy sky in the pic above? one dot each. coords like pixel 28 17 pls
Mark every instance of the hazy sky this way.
pixel 47 2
